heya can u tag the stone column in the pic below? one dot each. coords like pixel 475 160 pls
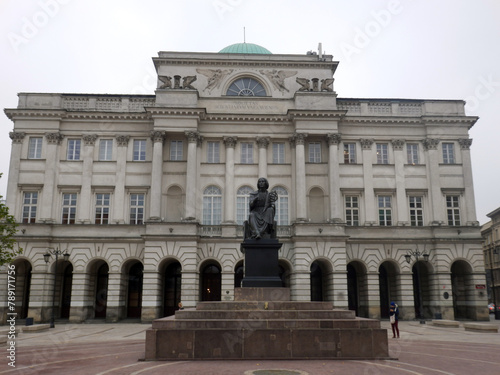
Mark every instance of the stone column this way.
pixel 436 209
pixel 229 193
pixel 194 139
pixel 262 143
pixel 336 207
pixel 373 294
pixel 115 302
pixel 399 164
pixel 15 162
pixel 370 212
pixel 300 172
pixel 84 203
pixel 47 213
pixel 80 303
pixel 156 176
pixel 470 208
pixel 121 165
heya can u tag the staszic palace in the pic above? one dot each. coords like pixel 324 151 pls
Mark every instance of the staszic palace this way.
pixel 147 193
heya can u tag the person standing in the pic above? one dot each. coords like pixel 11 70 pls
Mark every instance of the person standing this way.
pixel 394 318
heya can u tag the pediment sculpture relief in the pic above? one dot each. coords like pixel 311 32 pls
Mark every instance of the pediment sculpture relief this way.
pixel 215 77
pixel 186 82
pixel 277 77
pixel 326 84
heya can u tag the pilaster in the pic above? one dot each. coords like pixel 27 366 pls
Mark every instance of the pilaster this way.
pixel 436 208
pixel 298 140
pixel 15 162
pixel 470 207
pixel 336 212
pixel 194 140
pixel 262 143
pixel 121 165
pixel 399 161
pixel 229 193
pixel 47 213
pixel 84 203
pixel 371 217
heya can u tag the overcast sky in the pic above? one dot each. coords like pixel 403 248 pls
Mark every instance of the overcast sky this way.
pixel 417 49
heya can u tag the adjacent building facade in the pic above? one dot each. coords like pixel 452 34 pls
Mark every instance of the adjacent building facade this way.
pixel 491 246
pixel 147 193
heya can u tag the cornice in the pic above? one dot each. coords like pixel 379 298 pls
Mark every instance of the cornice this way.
pixel 450 119
pixel 17 114
pixel 163 111
pixel 382 119
pixel 246 117
pixel 330 114
pixel 158 61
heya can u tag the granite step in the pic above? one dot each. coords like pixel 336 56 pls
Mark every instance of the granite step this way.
pixel 169 323
pixel 257 305
pixel 264 314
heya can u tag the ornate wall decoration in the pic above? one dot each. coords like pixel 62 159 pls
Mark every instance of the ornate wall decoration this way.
pixel 298 139
pixel 333 138
pixel 304 84
pixel 157 136
pixel 215 77
pixel 326 84
pixel 230 141
pixel 167 82
pixel 277 77
pixel 366 143
pixel 186 82
pixel 262 142
pixel 398 144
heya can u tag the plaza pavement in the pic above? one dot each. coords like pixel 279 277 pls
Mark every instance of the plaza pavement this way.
pixel 98 349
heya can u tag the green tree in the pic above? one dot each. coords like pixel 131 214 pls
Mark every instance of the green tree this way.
pixel 8 229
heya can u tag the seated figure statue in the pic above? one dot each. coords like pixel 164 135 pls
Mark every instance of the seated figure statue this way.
pixel 260 222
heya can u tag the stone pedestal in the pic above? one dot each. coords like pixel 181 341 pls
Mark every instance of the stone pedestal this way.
pixel 265 330
pixel 261 263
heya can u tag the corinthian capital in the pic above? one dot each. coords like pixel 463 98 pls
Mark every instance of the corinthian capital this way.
pixel 54 138
pixel 17 137
pixel 430 143
pixel 230 142
pixel 262 142
pixel 122 140
pixel 333 138
pixel 157 136
pixel 366 143
pixel 89 139
pixel 465 143
pixel 398 144
pixel 298 139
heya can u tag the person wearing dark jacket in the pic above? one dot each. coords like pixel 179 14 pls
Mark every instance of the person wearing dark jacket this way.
pixel 394 318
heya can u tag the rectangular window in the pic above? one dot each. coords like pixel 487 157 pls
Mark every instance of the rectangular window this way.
pixel 69 208
pixel 314 152
pixel 412 152
pixel 448 153
pixel 416 212
pixel 382 153
pixel 139 150
pixel 102 208
pixel 278 153
pixel 349 153
pixel 247 153
pixel 136 209
pixel 453 209
pixel 384 210
pixel 352 211
pixel 176 150
pixel 74 146
pixel 105 149
pixel 35 148
pixel 30 202
pixel 213 152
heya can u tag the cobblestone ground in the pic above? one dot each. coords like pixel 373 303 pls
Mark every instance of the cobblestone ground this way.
pixel 118 348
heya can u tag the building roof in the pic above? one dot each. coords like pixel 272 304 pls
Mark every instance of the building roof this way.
pixel 248 48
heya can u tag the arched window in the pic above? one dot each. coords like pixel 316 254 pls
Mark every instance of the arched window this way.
pixel 281 204
pixel 212 206
pixel 246 87
pixel 242 204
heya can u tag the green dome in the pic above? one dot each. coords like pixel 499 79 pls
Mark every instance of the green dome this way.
pixel 245 48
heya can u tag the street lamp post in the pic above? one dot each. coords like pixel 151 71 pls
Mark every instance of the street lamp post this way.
pixel 56 252
pixel 418 254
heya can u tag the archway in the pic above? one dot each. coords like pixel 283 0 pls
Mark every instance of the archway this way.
pixel 284 273
pixel 461 284
pixel 421 290
pixel 318 287
pixel 172 288
pixel 238 274
pixel 211 282
pixel 134 295
pixel 357 288
pixel 67 282
pixel 101 291
pixel 23 286
pixel 388 287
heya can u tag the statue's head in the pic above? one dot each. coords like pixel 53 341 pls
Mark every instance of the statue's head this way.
pixel 262 182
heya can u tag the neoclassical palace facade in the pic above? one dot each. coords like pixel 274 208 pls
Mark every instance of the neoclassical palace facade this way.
pixel 147 193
